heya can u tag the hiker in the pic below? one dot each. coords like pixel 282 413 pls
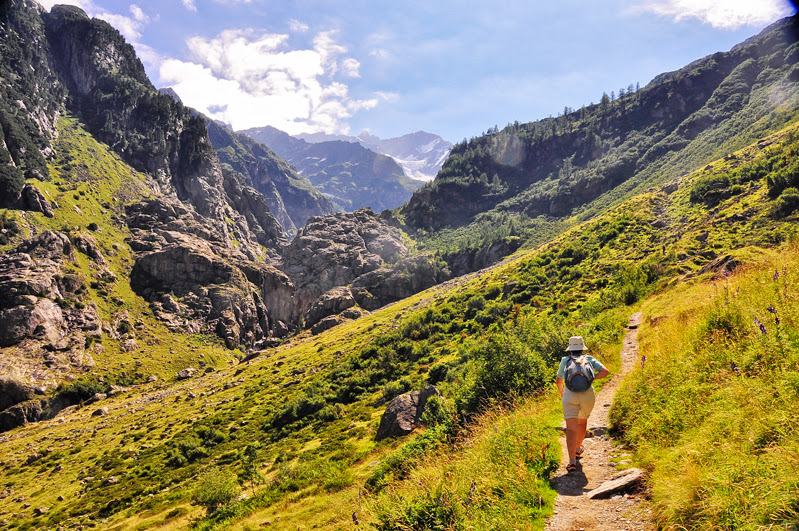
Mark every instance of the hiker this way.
pixel 576 372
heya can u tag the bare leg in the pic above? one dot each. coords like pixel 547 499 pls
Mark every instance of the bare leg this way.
pixel 572 435
pixel 582 426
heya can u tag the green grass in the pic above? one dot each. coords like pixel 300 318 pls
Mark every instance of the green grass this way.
pixel 710 414
pixel 489 343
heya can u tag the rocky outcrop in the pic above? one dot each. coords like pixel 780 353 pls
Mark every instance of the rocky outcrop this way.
pixel 335 250
pixel 405 278
pixel 32 199
pixel 41 306
pixel 332 302
pixel 404 413
pixel 13 392
pixel 194 281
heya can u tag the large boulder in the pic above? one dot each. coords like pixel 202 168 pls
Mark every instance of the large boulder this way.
pixel 407 277
pixel 333 251
pixel 330 303
pixel 404 413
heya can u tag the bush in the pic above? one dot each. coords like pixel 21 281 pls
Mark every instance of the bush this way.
pixel 214 489
pixel 11 183
pixel 787 203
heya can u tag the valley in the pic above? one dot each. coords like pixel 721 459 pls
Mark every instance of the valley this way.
pixel 195 335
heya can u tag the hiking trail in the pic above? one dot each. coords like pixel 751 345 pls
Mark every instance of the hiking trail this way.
pixel 574 511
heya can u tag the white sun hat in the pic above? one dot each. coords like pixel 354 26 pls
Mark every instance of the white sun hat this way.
pixel 576 343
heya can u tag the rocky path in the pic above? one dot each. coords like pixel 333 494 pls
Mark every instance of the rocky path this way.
pixel 574 511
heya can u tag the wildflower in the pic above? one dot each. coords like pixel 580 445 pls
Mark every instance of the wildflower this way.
pixel 643 361
pixel 355 519
pixel 726 273
pixel 777 321
pixel 776 275
pixel 757 321
pixel 771 309
pixel 763 329
pixel 734 368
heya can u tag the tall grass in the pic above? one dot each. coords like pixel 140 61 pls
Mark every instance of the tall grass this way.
pixel 712 411
pixel 496 474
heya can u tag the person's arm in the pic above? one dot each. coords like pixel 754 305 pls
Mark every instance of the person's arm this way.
pixel 603 372
pixel 559 382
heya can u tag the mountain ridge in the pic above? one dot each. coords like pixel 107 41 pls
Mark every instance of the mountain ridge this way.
pixel 349 174
pixel 421 154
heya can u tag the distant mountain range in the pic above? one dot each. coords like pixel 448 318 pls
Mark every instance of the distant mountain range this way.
pixel 350 175
pixel 420 154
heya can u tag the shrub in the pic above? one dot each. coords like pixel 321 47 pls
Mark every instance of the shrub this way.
pixel 214 489
pixel 787 203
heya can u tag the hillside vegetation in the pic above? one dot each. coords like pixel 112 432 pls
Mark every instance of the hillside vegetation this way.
pixel 522 183
pixel 304 415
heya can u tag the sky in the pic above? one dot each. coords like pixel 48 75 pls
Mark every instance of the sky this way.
pixel 451 67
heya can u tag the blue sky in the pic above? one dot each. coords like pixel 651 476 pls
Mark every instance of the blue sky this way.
pixel 449 67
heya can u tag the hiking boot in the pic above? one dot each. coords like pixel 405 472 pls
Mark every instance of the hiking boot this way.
pixel 580 451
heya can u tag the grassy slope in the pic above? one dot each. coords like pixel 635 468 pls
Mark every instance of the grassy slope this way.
pixel 710 414
pixel 159 437
pixel 91 185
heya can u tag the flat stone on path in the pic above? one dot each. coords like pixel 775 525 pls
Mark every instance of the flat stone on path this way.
pixel 618 482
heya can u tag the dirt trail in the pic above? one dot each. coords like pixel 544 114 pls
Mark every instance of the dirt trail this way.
pixel 574 511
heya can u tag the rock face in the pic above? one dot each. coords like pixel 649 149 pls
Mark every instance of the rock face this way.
pixel 40 304
pixel 335 250
pixel 350 175
pixel 408 276
pixel 404 413
pixel 289 196
pixel 195 282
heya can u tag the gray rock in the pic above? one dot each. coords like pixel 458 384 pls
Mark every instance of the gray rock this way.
pixel 619 482
pixel 13 392
pixel 325 324
pixel 185 374
pixel 404 413
pixel 333 302
pixel 334 250
pixel 33 199
pixel 102 412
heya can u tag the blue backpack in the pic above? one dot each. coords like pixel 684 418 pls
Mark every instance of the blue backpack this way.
pixel 579 374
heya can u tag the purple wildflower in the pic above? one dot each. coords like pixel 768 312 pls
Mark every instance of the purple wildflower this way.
pixel 734 368
pixel 355 519
pixel 771 309
pixel 777 321
pixel 776 275
pixel 726 273
pixel 763 329
pixel 643 361
pixel 757 321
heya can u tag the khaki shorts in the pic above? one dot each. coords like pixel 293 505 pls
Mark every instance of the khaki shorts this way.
pixel 578 405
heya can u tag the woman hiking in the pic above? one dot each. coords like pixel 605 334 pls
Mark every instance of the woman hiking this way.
pixel 576 373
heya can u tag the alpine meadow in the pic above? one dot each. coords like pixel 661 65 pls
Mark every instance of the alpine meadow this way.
pixel 197 334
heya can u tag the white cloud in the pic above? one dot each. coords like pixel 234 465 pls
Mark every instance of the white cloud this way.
pixel 129 26
pixel 350 66
pixel 190 5
pixel 86 5
pixel 727 14
pixel 249 79
pixel 297 27
pixel 390 97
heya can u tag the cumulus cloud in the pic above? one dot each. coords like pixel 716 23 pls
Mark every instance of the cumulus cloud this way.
pixel 129 26
pixel 86 5
pixel 248 79
pixel 729 14
pixel 190 5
